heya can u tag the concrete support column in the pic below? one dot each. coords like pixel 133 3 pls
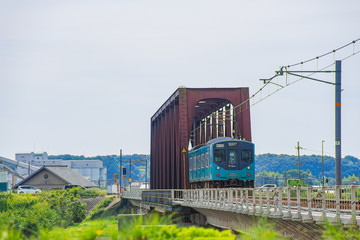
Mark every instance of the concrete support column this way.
pixel 231 206
pixel 259 210
pixel 253 210
pixel 287 215
pixel 353 206
pixel 297 216
pixel 239 201
pixel 322 219
pixel 246 209
pixel 338 194
pixel 279 213
pixel 211 198
pixel 267 210
pixel 236 206
pixel 309 217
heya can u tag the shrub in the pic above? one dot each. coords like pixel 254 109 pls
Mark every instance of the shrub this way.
pixel 29 213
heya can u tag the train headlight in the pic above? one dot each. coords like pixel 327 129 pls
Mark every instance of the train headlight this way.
pixel 218 168
pixel 248 167
pixel 248 175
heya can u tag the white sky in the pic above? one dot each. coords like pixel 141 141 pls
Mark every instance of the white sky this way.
pixel 84 76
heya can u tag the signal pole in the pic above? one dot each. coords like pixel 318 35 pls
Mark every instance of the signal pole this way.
pixel 130 180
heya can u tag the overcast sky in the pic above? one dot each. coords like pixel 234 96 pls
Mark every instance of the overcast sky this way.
pixel 84 77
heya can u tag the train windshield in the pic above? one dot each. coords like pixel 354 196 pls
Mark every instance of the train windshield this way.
pixel 219 155
pixel 232 157
pixel 246 155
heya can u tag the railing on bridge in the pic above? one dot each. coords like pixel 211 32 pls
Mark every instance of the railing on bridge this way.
pixel 307 204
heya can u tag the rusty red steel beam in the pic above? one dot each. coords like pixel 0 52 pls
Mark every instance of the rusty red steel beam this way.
pixel 173 123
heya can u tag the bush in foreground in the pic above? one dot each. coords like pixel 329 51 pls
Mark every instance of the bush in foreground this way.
pixel 30 213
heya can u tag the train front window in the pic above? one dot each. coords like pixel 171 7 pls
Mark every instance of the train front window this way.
pixel 246 155
pixel 219 155
pixel 232 157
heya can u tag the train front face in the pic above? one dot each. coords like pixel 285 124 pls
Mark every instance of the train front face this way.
pixel 233 163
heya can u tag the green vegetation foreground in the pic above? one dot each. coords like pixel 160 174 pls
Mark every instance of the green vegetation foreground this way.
pixel 61 215
pixel 27 214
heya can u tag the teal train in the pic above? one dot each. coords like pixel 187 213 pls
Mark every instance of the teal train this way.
pixel 222 162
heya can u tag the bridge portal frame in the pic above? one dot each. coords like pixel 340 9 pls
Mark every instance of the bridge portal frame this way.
pixel 180 116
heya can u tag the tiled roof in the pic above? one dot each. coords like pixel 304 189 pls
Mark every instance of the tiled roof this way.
pixel 67 174
pixel 70 176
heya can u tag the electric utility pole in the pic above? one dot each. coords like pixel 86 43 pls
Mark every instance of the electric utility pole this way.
pixel 337 85
pixel 322 162
pixel 298 153
pixel 338 122
pixel 120 172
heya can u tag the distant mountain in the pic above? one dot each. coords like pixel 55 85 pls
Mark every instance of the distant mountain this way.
pixel 279 163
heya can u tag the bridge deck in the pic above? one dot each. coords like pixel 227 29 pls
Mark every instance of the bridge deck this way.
pixel 340 204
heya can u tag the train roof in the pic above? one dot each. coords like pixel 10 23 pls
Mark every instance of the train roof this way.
pixel 219 140
pixel 215 140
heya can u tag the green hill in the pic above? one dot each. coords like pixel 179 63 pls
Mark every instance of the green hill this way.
pixel 280 163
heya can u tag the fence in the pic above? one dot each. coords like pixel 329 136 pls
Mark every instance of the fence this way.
pixel 296 203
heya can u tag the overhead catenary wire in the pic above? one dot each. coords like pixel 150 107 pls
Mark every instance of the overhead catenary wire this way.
pixel 325 54
pixel 280 87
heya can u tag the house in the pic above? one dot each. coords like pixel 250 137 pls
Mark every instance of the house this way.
pixel 94 170
pixel 55 177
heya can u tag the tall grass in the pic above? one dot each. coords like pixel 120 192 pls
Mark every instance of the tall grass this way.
pixel 151 228
pixel 91 192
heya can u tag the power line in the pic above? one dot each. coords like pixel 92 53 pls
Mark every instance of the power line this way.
pixel 323 55
pixel 280 87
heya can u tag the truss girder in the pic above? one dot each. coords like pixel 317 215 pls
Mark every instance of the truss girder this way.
pixel 196 115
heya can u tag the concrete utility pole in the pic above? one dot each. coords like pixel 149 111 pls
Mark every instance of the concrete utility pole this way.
pixel 338 122
pixel 337 108
pixel 322 162
pixel 298 152
pixel 120 172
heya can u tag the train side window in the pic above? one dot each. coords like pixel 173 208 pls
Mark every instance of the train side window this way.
pixel 198 162
pixel 232 157
pixel 207 159
pixel 219 155
pixel 202 161
pixel 191 163
pixel 246 155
